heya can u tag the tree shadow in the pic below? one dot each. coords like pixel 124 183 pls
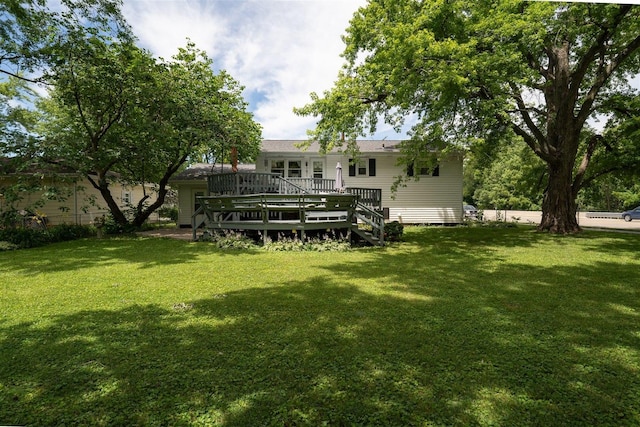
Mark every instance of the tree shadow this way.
pixel 313 352
pixel 434 331
pixel 88 253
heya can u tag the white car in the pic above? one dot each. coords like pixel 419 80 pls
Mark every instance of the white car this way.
pixel 470 212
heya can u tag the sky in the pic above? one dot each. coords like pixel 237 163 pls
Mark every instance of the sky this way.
pixel 280 50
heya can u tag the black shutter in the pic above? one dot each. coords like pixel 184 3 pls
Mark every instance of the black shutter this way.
pixel 372 167
pixel 410 169
pixel 352 168
pixel 436 171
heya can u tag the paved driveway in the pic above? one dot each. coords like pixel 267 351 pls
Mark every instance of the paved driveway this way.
pixel 534 217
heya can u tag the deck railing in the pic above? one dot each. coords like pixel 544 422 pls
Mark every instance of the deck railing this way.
pixel 368 205
pixel 243 183
pixel 311 185
pixel 369 197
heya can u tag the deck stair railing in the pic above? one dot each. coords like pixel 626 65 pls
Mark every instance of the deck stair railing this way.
pixel 373 220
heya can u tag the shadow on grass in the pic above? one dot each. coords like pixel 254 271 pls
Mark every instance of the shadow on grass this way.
pixel 454 339
pixel 88 253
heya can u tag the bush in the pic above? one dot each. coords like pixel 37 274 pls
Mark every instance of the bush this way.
pixel 25 238
pixel 315 244
pixel 393 231
pixel 7 246
pixel 170 212
pixel 110 226
pixel 228 240
pixel 66 232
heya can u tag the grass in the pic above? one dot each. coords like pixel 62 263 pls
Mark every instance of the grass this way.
pixel 454 326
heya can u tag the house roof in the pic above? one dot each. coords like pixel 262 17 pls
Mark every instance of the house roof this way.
pixel 365 146
pixel 202 170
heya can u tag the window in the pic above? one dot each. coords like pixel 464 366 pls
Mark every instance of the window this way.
pixel 277 166
pixel 127 199
pixel 318 169
pixel 423 171
pixel 294 169
pixel 362 167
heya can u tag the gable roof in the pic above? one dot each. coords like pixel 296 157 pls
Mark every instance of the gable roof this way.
pixel 202 170
pixel 292 146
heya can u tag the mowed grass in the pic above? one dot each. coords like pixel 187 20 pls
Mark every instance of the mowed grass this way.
pixel 454 326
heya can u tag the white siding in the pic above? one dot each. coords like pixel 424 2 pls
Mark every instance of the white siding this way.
pixel 82 203
pixel 428 200
pixel 186 200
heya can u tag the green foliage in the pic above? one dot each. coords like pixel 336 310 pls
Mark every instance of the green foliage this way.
pixel 170 212
pixel 113 110
pixel 512 179
pixel 326 243
pixel 111 226
pixel 393 231
pixel 66 232
pixel 229 240
pixel 8 246
pixel 457 326
pixel 25 238
pixel 117 111
pixel 481 72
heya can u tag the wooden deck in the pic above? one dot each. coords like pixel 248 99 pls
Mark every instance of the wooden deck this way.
pixel 265 212
pixel 267 202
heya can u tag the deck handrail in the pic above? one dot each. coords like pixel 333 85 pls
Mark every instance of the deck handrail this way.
pixel 194 226
pixel 373 218
pixel 370 197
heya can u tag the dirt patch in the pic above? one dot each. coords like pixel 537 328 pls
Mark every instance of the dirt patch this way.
pixel 172 233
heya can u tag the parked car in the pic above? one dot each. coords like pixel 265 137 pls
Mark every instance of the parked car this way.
pixel 631 214
pixel 470 212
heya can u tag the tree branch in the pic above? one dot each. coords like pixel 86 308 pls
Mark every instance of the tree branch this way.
pixel 586 159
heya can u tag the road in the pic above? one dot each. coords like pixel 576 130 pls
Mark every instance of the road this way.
pixel 533 217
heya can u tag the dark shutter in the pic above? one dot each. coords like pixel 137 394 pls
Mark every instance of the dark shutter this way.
pixel 352 168
pixel 372 167
pixel 410 169
pixel 436 171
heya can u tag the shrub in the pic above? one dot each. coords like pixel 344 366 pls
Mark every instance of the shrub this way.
pixel 25 238
pixel 66 232
pixel 7 246
pixel 314 244
pixel 228 240
pixel 170 212
pixel 393 231
pixel 110 226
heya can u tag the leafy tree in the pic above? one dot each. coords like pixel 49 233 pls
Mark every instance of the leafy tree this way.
pixel 117 114
pixel 472 72
pixel 510 180
pixel 32 34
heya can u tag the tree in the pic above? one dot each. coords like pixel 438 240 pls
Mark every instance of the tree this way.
pixel 510 180
pixel 116 113
pixel 32 34
pixel 470 72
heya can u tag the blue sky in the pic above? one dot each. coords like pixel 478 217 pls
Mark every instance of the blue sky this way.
pixel 280 50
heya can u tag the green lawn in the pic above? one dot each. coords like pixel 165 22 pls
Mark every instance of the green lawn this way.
pixel 455 326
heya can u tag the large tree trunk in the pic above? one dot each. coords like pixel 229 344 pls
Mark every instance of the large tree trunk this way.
pixel 559 202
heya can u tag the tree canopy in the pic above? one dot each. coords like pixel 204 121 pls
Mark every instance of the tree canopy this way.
pixel 114 113
pixel 467 73
pixel 117 114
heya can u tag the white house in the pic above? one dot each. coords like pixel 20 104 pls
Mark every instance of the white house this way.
pixel 435 198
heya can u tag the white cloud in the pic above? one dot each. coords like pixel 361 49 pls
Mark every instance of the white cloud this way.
pixel 281 51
